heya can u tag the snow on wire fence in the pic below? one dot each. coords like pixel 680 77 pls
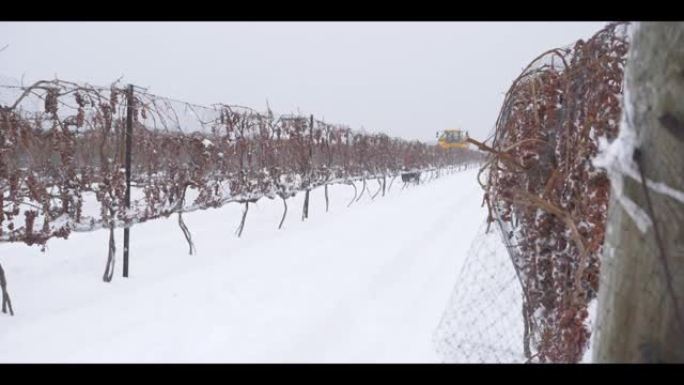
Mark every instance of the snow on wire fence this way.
pixel 76 157
pixel 548 204
pixel 482 321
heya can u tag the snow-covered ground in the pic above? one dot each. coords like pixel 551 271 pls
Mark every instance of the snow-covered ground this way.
pixel 366 283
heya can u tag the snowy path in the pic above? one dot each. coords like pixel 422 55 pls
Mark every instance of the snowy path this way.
pixel 366 283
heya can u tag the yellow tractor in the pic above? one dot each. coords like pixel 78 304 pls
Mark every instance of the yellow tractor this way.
pixel 452 139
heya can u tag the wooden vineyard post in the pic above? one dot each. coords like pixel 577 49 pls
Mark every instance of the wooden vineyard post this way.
pixel 640 316
pixel 129 142
pixel 305 213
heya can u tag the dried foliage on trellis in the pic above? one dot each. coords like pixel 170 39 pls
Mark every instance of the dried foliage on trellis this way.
pixel 62 150
pixel 543 191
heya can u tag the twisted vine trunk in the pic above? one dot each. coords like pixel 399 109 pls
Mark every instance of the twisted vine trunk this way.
pixel 181 223
pixel 379 189
pixel 354 198
pixel 109 268
pixel 363 190
pixel 6 302
pixel 305 209
pixel 391 181
pixel 186 233
pixel 282 220
pixel 242 221
pixel 641 295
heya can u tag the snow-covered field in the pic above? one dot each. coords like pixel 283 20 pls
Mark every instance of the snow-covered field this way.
pixel 366 283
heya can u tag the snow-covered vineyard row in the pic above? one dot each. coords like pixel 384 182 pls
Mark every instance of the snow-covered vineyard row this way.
pixel 63 143
pixel 364 283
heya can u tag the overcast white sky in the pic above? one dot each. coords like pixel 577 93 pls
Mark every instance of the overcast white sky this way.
pixel 404 79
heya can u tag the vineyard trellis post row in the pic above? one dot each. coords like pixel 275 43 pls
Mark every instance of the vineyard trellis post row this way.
pixel 130 107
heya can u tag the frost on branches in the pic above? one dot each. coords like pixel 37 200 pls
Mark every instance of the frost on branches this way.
pixel 545 194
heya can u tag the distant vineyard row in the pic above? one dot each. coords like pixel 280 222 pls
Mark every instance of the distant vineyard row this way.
pixel 63 144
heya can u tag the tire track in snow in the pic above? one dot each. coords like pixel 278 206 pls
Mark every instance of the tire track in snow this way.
pixel 399 284
pixel 355 285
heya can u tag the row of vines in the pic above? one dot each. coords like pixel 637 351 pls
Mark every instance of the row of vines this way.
pixel 63 144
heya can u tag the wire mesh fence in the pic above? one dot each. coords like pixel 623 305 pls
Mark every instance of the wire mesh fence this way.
pixel 483 320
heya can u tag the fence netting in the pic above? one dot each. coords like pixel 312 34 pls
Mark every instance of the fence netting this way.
pixel 483 320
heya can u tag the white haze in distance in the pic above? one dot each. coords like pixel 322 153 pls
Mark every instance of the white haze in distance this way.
pixel 404 79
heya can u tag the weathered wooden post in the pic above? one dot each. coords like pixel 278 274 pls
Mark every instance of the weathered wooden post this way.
pixel 641 294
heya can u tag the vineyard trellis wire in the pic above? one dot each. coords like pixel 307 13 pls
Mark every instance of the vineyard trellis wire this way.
pixel 548 202
pixel 63 159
